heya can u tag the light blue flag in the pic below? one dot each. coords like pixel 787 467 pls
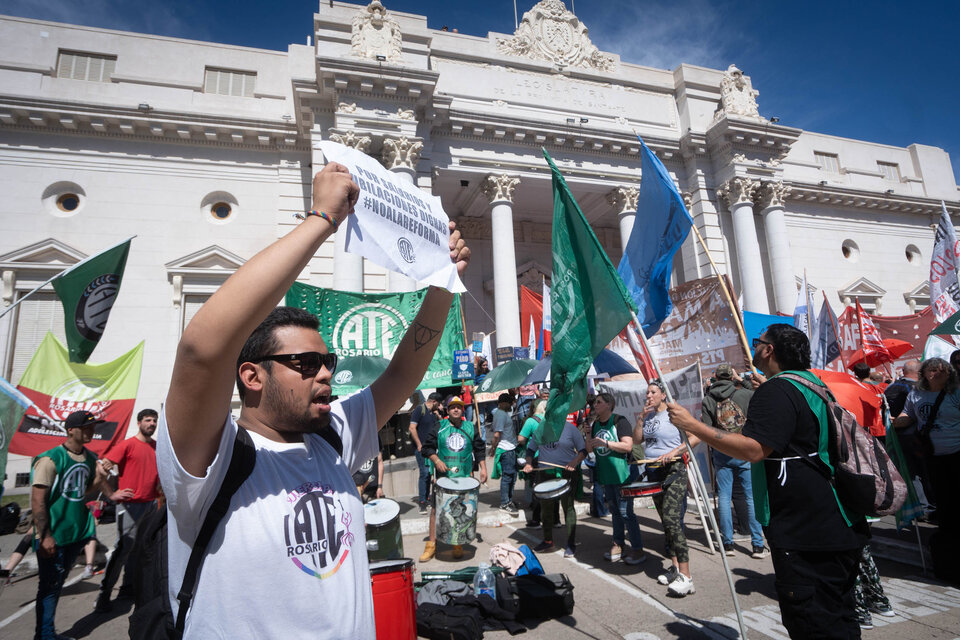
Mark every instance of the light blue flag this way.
pixel 661 226
pixel 825 347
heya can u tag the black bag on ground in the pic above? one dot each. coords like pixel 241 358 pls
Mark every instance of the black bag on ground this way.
pixel 9 518
pixel 507 595
pixel 945 557
pixel 152 617
pixel 449 622
pixel 547 596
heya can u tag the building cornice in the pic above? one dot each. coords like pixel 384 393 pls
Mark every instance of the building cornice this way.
pixel 860 199
pixel 358 75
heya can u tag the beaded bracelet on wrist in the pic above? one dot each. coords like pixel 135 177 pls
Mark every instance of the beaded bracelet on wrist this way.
pixel 319 214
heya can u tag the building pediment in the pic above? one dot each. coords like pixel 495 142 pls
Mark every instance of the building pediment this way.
pixel 862 287
pixel 210 260
pixel 46 254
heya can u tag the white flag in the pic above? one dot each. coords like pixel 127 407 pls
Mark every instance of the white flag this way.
pixel 487 351
pixel 547 313
pixel 801 315
pixel 944 289
pixel 532 338
pixel 395 224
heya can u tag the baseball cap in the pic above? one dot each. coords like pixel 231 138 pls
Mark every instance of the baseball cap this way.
pixel 79 419
pixel 724 372
pixel 455 400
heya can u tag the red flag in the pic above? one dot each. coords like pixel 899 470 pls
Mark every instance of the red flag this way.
pixel 531 310
pixel 870 339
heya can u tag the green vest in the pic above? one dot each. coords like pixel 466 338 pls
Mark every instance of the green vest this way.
pixel 455 447
pixel 612 467
pixel 70 519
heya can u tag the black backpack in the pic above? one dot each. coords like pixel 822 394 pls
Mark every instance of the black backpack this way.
pixel 9 518
pixel 152 617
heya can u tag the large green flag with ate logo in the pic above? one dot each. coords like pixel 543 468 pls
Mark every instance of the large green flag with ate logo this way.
pixel 88 291
pixel 372 325
pixel 588 302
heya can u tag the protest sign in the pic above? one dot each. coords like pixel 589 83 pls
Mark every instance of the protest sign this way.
pixel 462 365
pixel 395 224
pixel 505 354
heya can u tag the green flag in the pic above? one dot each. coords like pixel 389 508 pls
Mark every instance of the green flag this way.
pixel 372 324
pixel 588 302
pixel 13 404
pixel 949 327
pixel 88 291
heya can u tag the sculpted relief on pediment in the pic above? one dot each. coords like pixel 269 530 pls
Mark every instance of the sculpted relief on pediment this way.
pixel 376 33
pixel 550 32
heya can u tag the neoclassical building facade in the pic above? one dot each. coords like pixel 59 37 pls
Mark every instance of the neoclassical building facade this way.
pixel 205 152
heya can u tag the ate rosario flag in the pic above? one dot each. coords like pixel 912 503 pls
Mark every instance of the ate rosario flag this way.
pixel 869 335
pixel 59 387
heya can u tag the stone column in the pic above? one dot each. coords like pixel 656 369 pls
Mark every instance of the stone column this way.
pixel 347 267
pixel 770 199
pixel 738 193
pixel 401 155
pixel 624 200
pixel 499 189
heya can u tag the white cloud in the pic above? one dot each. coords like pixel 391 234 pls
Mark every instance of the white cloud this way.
pixel 154 18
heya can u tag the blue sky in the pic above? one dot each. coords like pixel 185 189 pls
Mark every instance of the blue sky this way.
pixel 879 71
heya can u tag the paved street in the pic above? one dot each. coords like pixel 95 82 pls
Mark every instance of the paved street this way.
pixel 612 600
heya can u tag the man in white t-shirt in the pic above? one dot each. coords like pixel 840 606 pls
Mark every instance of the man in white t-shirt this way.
pixel 289 559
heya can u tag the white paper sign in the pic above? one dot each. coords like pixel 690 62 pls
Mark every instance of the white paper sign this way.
pixel 396 225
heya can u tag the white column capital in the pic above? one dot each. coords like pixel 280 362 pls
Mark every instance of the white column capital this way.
pixel 737 191
pixel 350 138
pixel 772 194
pixel 498 187
pixel 401 152
pixel 624 199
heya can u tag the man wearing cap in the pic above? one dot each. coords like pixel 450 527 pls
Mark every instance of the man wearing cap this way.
pixel 503 450
pixel 725 406
pixel 61 478
pixel 454 447
pixel 423 420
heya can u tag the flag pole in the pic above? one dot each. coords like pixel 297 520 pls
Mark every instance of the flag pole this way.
pixel 61 274
pixel 723 285
pixel 473 394
pixel 836 334
pixel 697 477
pixel 806 300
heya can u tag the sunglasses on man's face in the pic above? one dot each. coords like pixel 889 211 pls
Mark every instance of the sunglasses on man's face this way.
pixel 757 342
pixel 307 363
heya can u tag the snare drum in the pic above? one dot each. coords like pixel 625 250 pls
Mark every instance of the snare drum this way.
pixel 394 604
pixel 457 500
pixel 551 489
pixel 641 489
pixel 384 539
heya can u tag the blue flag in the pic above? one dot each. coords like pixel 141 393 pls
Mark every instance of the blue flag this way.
pixel 661 226
pixel 825 348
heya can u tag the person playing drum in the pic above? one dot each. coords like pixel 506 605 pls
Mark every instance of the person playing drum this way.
pixel 558 459
pixel 453 447
pixel 612 441
pixel 661 440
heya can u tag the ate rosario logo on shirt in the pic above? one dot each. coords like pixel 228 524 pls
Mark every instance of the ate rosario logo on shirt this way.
pixel 607 435
pixel 317 532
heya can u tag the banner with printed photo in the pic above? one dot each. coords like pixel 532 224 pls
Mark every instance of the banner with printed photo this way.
pixel 372 324
pixel 59 387
pixel 396 224
pixel 701 327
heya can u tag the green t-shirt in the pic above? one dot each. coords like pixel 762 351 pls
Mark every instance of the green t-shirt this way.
pixel 70 519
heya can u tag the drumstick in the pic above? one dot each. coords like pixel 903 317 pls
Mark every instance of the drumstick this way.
pixel 550 464
pixel 651 460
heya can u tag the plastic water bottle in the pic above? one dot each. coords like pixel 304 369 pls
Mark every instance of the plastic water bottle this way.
pixel 483 582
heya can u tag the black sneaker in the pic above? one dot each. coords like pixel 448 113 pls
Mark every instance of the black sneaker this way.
pixel 865 619
pixel 759 553
pixel 544 546
pixel 423 508
pixel 728 549
pixel 510 508
pixel 533 524
pixel 103 605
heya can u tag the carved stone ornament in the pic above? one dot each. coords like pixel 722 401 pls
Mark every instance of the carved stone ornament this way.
pixel 405 114
pixel 737 191
pixel 550 32
pixel 499 187
pixel 352 139
pixel 772 194
pixel 687 199
pixel 347 107
pixel 624 199
pixel 474 228
pixel 737 96
pixel 376 34
pixel 402 152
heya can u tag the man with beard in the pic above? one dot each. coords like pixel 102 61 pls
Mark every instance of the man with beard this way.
pixel 289 558
pixel 135 460
pixel 815 544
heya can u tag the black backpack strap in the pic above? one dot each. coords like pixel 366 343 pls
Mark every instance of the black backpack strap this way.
pixel 241 465
pixel 924 430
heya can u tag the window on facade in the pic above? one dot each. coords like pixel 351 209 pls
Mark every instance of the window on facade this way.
pixel 229 83
pixel 22 480
pixel 38 314
pixel 827 161
pixel 191 304
pixel 85 66
pixel 890 171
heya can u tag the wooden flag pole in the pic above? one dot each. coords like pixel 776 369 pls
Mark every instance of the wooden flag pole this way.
pixel 698 479
pixel 723 285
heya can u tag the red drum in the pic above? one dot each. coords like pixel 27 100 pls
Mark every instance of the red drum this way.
pixel 641 489
pixel 394 603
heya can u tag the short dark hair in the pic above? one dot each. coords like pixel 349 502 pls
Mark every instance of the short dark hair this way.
pixel 608 398
pixel 147 412
pixel 436 397
pixel 263 341
pixel 861 370
pixel 955 357
pixel 505 397
pixel 791 346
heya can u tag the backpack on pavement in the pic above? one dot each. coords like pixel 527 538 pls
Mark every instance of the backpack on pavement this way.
pixel 730 417
pixel 866 480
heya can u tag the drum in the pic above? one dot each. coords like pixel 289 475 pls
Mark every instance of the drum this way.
pixel 641 489
pixel 384 539
pixel 551 489
pixel 457 500
pixel 394 604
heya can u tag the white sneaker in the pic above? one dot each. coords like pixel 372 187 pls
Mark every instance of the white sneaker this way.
pixel 87 572
pixel 668 576
pixel 681 586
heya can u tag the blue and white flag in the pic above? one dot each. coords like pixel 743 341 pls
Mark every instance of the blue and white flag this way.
pixel 825 348
pixel 802 312
pixel 662 225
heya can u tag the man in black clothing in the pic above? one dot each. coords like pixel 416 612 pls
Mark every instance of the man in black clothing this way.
pixel 815 544
pixel 897 392
pixel 423 420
